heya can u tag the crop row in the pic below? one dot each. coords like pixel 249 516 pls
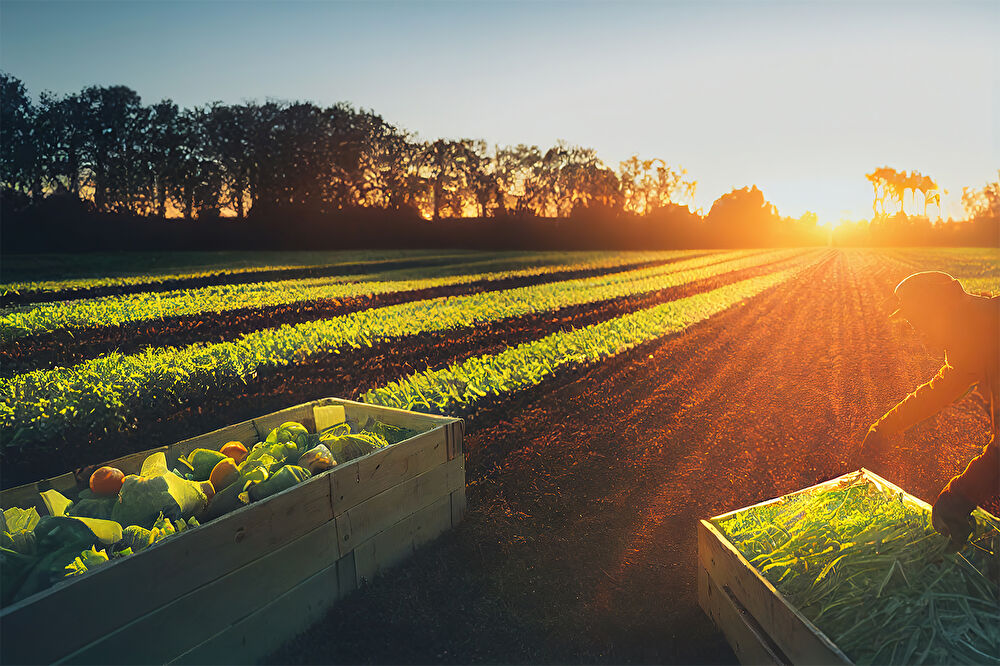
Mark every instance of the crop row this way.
pixel 348 373
pixel 119 310
pixel 977 268
pixel 147 269
pixel 459 387
pixel 102 393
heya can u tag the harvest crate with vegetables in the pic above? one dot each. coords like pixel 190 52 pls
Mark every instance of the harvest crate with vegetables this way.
pixel 220 547
pixel 850 571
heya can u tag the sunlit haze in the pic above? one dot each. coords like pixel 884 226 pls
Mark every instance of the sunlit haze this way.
pixel 801 99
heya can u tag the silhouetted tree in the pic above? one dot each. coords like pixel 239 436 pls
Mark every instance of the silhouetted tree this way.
pixel 743 217
pixel 18 150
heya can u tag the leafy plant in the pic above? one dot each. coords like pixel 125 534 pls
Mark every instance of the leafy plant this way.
pixel 868 569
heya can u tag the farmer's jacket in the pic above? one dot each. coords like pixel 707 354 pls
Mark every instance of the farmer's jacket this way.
pixel 972 360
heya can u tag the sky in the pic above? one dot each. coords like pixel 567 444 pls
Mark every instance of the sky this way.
pixel 800 98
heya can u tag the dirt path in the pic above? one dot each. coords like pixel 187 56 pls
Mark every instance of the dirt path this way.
pixel 580 541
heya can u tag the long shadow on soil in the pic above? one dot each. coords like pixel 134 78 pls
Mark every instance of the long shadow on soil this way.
pixel 222 277
pixel 346 374
pixel 68 347
pixel 584 492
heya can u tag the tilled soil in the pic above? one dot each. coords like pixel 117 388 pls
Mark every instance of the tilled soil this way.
pixel 222 277
pixel 346 374
pixel 584 493
pixel 67 347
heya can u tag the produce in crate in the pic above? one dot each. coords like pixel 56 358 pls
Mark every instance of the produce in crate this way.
pixel 869 570
pixel 101 524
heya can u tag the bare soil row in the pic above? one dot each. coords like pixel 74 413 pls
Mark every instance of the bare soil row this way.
pixel 584 493
pixel 346 374
pixel 66 347
pixel 174 283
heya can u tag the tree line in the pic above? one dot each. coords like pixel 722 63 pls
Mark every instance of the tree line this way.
pixel 67 162
pixel 104 145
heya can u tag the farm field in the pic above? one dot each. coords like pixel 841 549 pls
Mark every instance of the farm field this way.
pixel 611 400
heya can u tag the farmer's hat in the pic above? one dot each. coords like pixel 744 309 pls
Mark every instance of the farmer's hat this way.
pixel 926 291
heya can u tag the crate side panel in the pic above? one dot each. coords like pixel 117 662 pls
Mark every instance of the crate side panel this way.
pixel 744 635
pixel 366 477
pixel 459 506
pixel 299 413
pixel 396 543
pixel 27 496
pixel 361 522
pixel 255 636
pixel 163 573
pixel 200 614
pixel 791 632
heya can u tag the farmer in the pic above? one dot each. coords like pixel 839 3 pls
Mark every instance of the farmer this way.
pixel 967 328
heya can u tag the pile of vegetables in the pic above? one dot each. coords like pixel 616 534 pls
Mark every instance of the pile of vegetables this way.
pixel 868 569
pixel 119 515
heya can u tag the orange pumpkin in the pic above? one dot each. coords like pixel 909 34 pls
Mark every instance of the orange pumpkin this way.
pixel 106 481
pixel 234 450
pixel 224 473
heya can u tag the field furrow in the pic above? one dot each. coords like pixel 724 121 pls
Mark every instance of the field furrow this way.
pixel 460 387
pixel 584 490
pixel 977 268
pixel 215 398
pixel 241 267
pixel 92 328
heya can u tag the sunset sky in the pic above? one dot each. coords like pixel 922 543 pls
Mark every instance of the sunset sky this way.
pixel 800 98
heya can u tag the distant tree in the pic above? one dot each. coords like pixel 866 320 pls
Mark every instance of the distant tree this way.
pixel 984 202
pixel 929 191
pixel 61 136
pixel 743 217
pixel 111 121
pixel 18 149
pixel 651 184
pixel 195 180
pixel 516 170
pixel 447 168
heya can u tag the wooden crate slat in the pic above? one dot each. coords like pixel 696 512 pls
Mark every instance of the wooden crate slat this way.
pixel 791 631
pixel 162 573
pixel 27 496
pixel 358 412
pixel 200 614
pixel 843 481
pixel 397 542
pixel 325 416
pixel 360 522
pixel 749 641
pixel 362 479
pixel 253 637
pixel 458 506
pixel 300 414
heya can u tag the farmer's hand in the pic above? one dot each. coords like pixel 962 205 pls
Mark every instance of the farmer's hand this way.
pixel 951 517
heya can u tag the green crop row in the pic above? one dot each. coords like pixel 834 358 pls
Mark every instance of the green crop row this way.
pixel 123 269
pixel 462 385
pixel 103 393
pixel 977 268
pixel 118 310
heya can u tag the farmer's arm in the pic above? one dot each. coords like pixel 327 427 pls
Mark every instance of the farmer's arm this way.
pixel 927 400
pixel 981 479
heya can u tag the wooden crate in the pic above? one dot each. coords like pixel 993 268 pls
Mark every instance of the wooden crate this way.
pixel 235 588
pixel 757 621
